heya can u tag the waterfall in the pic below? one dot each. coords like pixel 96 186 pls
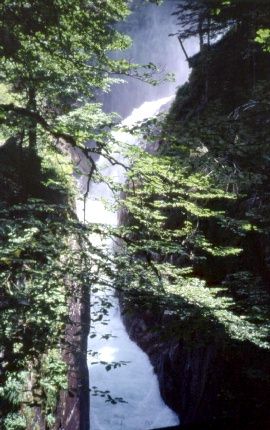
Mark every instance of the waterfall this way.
pixel 134 383
pixel 149 27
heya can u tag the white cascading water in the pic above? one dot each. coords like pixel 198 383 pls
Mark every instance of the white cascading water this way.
pixel 134 382
pixel 149 27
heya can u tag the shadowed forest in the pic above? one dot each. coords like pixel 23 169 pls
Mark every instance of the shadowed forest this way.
pixel 190 264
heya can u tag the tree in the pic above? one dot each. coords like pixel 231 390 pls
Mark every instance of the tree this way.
pixel 211 18
pixel 55 56
pixel 197 211
pixel 172 202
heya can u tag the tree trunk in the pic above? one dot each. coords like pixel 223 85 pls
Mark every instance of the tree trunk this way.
pixel 200 31
pixel 32 132
pixel 184 50
pixel 208 31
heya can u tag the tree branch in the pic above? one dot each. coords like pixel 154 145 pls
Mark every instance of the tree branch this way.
pixel 184 50
pixel 40 120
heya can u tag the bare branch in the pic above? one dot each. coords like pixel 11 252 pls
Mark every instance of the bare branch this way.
pixel 184 50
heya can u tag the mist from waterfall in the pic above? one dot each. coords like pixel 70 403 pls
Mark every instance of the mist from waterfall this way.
pixel 149 26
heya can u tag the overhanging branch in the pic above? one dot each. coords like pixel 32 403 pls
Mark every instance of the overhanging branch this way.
pixel 40 120
pixel 184 50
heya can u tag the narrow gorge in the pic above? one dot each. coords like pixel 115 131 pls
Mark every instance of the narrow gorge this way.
pixel 134 215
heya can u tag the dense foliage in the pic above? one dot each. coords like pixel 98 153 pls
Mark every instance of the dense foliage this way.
pixel 196 212
pixel 195 231
pixel 203 197
pixel 54 58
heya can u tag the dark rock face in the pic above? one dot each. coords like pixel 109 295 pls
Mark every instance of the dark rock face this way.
pixel 188 377
pixel 204 381
pixel 188 372
pixel 73 407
